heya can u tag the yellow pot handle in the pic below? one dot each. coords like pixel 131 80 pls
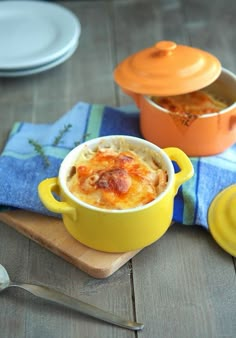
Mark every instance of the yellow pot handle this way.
pixel 45 190
pixel 184 163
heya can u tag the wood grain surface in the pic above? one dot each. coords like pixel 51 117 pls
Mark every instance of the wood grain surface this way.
pixel 182 286
pixel 50 233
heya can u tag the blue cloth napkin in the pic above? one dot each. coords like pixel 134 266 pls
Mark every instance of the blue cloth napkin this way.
pixel 34 152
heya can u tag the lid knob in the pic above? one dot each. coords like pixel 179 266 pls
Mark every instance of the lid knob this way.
pixel 165 47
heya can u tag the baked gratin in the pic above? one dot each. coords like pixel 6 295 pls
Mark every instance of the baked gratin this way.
pixel 117 176
pixel 195 103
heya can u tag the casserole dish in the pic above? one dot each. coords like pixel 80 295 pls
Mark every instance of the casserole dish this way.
pixel 168 69
pixel 113 230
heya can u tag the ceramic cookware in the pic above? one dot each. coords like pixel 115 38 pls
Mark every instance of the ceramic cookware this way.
pixel 168 69
pixel 116 230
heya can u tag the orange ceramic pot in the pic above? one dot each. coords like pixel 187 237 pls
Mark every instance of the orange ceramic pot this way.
pixel 168 69
pixel 208 134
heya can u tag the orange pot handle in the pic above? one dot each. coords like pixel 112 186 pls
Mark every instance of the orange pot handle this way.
pixel 135 96
pixel 232 122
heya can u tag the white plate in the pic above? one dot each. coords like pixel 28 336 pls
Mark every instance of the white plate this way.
pixel 39 69
pixel 33 33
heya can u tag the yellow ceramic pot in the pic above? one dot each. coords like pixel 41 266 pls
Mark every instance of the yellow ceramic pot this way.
pixel 116 230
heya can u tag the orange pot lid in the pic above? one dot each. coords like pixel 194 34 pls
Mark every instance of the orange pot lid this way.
pixel 222 219
pixel 167 69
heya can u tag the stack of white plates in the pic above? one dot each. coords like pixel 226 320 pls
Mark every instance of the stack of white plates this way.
pixel 35 36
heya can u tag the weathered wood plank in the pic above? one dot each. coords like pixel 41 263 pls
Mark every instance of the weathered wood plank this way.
pixel 212 28
pixel 186 285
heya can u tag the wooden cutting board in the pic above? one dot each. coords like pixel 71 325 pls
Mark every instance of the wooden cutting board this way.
pixel 51 234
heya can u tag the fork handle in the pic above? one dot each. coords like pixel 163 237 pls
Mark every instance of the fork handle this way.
pixel 55 296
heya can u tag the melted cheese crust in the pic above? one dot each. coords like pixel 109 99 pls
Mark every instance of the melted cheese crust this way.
pixel 196 103
pixel 116 178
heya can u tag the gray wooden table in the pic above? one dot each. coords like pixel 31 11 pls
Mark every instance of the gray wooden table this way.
pixel 184 285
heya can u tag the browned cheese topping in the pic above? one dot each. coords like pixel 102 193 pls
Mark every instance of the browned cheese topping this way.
pixel 113 179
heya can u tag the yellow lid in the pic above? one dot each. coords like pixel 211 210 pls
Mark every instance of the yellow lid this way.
pixel 167 69
pixel 222 219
